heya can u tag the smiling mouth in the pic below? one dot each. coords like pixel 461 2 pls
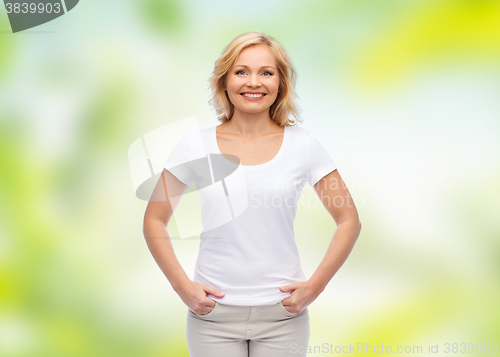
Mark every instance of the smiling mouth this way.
pixel 250 95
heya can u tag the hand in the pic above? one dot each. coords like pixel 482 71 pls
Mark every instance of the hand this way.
pixel 194 295
pixel 303 294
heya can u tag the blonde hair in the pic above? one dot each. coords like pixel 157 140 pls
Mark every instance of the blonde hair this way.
pixel 283 107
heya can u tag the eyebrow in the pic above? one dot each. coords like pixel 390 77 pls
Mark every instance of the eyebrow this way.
pixel 242 65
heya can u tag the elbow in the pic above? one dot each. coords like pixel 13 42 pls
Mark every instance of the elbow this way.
pixel 145 223
pixel 150 222
pixel 357 227
pixel 353 222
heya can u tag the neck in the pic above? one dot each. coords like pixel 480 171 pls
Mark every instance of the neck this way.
pixel 250 124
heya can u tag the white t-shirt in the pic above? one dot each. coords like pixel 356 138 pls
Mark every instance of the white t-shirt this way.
pixel 247 247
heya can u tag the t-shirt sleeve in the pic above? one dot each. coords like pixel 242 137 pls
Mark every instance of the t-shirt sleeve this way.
pixel 320 162
pixel 178 161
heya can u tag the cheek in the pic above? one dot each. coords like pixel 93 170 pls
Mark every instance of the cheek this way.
pixel 277 85
pixel 232 96
pixel 233 88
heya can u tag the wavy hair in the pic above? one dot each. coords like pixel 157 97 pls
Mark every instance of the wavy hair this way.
pixel 284 105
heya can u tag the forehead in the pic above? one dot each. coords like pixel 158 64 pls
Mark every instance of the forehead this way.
pixel 256 55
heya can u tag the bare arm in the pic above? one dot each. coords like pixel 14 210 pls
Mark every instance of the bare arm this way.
pixel 164 200
pixel 336 198
pixel 158 213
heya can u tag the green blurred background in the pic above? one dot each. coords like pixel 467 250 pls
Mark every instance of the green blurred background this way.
pixel 403 94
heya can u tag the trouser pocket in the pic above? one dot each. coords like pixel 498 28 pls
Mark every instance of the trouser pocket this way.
pixel 282 307
pixel 210 313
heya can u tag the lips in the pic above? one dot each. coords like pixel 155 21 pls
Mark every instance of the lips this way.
pixel 253 94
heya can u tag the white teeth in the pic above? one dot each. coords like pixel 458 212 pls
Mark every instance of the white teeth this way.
pixel 252 95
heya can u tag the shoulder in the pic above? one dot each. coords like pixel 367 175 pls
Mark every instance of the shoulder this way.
pixel 195 136
pixel 194 143
pixel 300 134
pixel 207 131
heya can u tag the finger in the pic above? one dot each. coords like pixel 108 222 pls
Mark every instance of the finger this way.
pixel 213 291
pixel 209 303
pixel 289 287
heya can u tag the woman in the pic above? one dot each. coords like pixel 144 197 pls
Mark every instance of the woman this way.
pixel 249 295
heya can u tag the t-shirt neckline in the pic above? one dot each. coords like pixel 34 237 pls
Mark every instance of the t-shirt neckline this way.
pixel 275 158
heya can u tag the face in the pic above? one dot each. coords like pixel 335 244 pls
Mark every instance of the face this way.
pixel 252 83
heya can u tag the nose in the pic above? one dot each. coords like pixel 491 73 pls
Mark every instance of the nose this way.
pixel 253 80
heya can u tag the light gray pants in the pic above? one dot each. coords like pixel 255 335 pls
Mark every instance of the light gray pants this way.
pixel 247 331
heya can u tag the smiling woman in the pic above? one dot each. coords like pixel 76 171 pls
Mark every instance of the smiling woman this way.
pixel 257 58
pixel 249 295
pixel 252 85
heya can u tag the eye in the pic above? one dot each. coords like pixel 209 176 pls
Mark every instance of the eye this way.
pixel 269 73
pixel 240 71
